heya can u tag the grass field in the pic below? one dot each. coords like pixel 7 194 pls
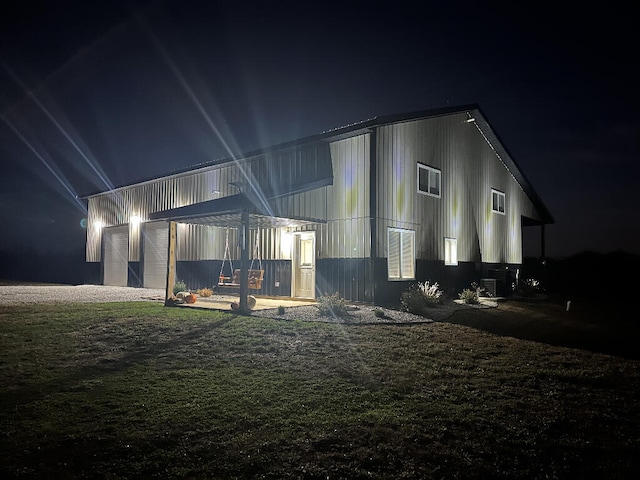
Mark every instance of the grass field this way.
pixel 136 390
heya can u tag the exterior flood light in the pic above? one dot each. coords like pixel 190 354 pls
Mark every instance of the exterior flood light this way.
pixel 134 220
pixel 98 224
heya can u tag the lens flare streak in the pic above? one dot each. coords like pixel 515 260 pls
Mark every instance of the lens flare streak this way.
pixel 248 178
pixel 61 129
pixel 63 181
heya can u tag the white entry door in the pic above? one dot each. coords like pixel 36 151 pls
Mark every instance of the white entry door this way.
pixel 116 255
pixel 304 265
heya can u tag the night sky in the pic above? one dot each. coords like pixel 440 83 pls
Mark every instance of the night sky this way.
pixel 95 95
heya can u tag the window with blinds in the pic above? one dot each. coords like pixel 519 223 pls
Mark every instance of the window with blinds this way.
pixel 401 254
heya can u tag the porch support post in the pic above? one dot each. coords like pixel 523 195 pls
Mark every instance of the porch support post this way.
pixel 543 252
pixel 171 263
pixel 244 262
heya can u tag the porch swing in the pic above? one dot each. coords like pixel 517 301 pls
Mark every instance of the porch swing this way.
pixel 255 276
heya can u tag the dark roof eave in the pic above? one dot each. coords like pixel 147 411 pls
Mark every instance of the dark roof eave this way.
pixel 218 206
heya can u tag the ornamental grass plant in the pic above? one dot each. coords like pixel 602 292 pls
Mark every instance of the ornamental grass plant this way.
pixel 419 297
pixel 332 306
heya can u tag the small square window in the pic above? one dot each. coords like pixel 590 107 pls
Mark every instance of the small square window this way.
pixel 429 180
pixel 497 201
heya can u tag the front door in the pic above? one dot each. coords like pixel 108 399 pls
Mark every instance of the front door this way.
pixel 304 265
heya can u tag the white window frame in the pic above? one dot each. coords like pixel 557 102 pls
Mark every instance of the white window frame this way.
pixel 401 254
pixel 450 251
pixel 498 195
pixel 430 172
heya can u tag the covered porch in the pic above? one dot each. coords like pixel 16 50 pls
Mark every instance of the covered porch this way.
pixel 247 212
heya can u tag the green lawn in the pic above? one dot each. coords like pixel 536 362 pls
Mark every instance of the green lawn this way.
pixel 137 390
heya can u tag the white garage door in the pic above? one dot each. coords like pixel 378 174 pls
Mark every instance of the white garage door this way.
pixel 155 254
pixel 116 255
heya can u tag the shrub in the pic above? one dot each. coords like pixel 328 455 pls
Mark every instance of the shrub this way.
pixel 179 286
pixel 529 287
pixel 378 312
pixel 420 296
pixel 469 295
pixel 332 305
pixel 205 292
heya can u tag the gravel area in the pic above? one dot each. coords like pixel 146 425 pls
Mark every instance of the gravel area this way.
pixel 366 314
pixel 30 294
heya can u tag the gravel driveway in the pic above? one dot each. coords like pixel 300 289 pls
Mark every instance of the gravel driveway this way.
pixel 30 294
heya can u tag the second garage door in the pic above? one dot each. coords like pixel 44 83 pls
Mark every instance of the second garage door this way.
pixel 155 254
pixel 116 255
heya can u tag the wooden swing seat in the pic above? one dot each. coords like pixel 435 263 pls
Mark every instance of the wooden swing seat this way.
pixel 255 280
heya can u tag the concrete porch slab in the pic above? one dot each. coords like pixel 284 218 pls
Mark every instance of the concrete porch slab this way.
pixel 223 302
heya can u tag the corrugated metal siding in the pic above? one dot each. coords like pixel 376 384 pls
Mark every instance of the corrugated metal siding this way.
pixel 292 165
pixel 311 204
pixel 350 278
pixel 347 231
pixel 134 241
pixel 204 242
pixel 274 243
pixel 470 168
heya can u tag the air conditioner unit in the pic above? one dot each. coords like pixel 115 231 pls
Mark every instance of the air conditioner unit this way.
pixel 488 285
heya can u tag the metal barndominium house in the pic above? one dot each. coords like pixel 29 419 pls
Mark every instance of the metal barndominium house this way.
pixel 362 210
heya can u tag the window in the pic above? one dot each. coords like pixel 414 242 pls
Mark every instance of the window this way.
pixel 429 180
pixel 497 201
pixel 401 258
pixel 450 251
pixel 306 252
